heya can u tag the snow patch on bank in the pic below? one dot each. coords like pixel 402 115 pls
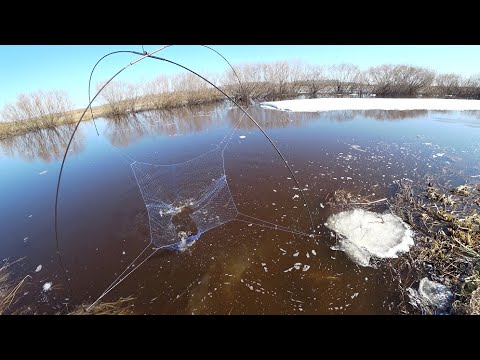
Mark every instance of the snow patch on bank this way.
pixel 330 104
pixel 365 234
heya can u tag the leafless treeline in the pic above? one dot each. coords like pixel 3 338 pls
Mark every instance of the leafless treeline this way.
pixel 286 80
pixel 259 82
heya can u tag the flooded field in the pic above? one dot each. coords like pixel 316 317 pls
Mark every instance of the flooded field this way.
pixel 236 266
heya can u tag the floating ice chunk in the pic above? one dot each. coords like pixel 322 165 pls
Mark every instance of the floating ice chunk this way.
pixel 438 155
pixel 47 286
pixel 43 172
pixel 358 148
pixel 297 266
pixel 295 197
pixel 322 206
pixel 306 267
pixel 314 252
pixel 39 267
pixel 438 294
pixel 431 297
pixel 242 136
pixel 296 254
pixel 365 234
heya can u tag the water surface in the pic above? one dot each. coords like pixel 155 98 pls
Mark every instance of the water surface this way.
pixel 234 268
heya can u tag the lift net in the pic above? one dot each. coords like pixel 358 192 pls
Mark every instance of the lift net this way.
pixel 187 199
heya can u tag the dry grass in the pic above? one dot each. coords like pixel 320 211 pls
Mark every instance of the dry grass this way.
pixel 8 289
pixel 475 302
pixel 123 306
pixel 447 222
pixel 344 200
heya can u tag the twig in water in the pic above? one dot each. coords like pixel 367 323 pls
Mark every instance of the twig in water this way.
pixel 370 202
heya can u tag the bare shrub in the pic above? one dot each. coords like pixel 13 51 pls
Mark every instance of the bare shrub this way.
pixel 314 80
pixel 42 109
pixel 400 80
pixel 447 85
pixel 471 87
pixel 251 79
pixel 342 78
pixel 120 97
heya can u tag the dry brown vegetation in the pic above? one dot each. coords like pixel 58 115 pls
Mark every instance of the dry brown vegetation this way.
pixel 39 110
pixel 10 294
pixel 123 306
pixel 8 288
pixel 447 224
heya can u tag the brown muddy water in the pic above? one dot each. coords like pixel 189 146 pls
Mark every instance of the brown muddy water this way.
pixel 236 268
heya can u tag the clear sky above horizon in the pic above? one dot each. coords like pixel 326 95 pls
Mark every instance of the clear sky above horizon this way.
pixel 26 69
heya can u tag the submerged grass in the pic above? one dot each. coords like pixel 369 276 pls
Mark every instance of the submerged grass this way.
pixel 9 295
pixel 123 306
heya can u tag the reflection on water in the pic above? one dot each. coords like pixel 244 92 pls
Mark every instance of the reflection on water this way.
pixel 122 131
pixel 380 115
pixel 46 144
pixel 129 129
pixel 49 144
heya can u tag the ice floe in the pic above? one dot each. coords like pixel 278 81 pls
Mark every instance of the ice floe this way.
pixel 365 234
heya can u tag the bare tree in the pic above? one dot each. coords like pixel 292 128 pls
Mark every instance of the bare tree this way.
pixel 251 79
pixel 315 79
pixel 471 87
pixel 296 78
pixel 276 76
pixel 342 77
pixel 361 82
pixel 447 84
pixel 400 80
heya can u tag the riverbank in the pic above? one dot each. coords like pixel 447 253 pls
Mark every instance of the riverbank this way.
pixel 172 101
pixel 163 102
pixel 446 221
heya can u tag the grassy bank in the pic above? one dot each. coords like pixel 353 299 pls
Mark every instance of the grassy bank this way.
pixel 113 109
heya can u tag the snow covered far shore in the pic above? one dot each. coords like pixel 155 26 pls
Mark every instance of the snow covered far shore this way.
pixel 329 104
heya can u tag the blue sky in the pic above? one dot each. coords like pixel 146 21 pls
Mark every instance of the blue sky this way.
pixel 25 69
